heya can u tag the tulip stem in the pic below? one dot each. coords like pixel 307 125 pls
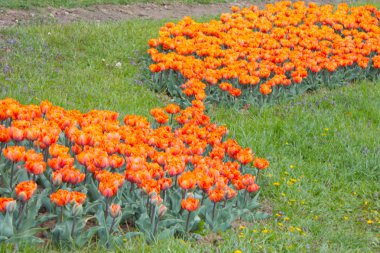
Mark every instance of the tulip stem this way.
pixel 112 224
pixel 106 210
pixel 73 227
pixel 12 174
pixel 153 213
pixel 245 197
pixel 147 204
pixel 61 218
pixel 213 211
pixel 46 154
pixel 257 175
pixel 22 205
pixel 164 195
pixel 153 218
pixel 203 197
pixel 188 219
pixel 156 226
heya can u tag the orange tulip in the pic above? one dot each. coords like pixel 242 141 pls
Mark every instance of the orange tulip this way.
pixel 61 197
pixel 190 204
pixel 25 190
pixel 14 153
pixel 261 163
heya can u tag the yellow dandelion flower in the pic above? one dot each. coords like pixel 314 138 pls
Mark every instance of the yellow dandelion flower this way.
pixel 283 194
pixel 299 229
pixel 291 229
pixel 255 231
pixel 265 231
pixel 370 222
pixel 286 218
pixel 289 183
pixel 276 184
pixel 280 224
pixel 291 166
pixel 238 251
pixel 278 215
pixel 241 227
pixel 326 129
pixel 345 217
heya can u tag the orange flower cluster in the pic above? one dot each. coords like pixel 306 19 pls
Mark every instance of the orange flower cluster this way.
pixel 191 153
pixel 278 46
pixel 64 197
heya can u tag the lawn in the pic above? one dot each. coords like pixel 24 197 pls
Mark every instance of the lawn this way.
pixel 322 187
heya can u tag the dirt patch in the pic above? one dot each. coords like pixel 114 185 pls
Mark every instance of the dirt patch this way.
pixel 112 12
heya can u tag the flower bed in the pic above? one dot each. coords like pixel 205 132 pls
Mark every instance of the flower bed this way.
pixel 253 56
pixel 87 174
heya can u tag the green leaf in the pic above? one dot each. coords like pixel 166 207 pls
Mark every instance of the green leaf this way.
pixel 6 225
pixel 261 215
pixel 86 236
pixel 165 234
pixel 170 222
pixel 131 235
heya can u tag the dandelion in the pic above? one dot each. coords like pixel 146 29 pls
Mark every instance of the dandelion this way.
pixel 276 183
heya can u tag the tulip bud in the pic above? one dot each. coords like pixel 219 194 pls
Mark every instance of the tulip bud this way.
pixel 11 206
pixel 162 210
pixel 115 210
pixel 56 178
pixel 77 210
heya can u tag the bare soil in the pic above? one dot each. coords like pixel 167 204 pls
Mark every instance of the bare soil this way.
pixel 100 13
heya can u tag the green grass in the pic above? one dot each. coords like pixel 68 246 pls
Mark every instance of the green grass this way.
pixel 28 4
pixel 327 141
